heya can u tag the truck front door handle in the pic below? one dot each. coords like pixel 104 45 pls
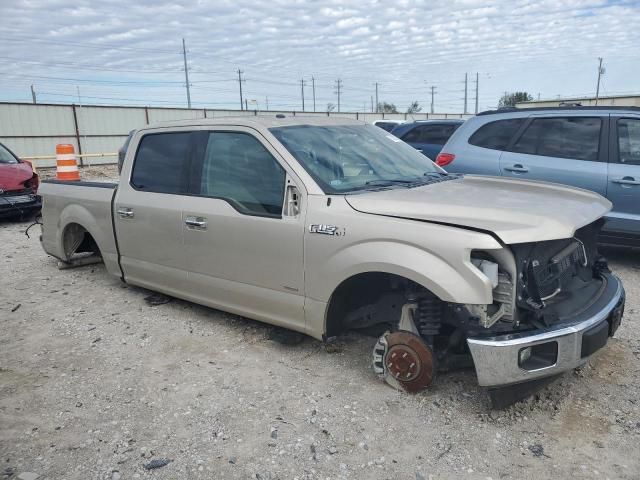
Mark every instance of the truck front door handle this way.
pixel 626 181
pixel 196 222
pixel 517 168
pixel 125 212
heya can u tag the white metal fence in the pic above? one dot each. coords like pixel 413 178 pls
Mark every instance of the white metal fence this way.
pixel 33 130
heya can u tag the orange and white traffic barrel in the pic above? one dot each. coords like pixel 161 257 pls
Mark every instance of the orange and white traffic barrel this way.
pixel 66 164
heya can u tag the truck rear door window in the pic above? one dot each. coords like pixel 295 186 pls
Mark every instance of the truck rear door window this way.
pixel 161 162
pixel 562 137
pixel 239 169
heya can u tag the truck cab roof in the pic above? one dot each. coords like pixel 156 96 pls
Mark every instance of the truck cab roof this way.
pixel 259 121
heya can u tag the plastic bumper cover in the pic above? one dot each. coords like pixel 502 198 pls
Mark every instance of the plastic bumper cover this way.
pixel 499 360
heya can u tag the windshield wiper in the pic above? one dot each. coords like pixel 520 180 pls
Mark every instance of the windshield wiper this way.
pixel 381 182
pixel 435 174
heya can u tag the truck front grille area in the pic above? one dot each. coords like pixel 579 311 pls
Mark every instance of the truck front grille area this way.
pixel 558 278
pixel 551 277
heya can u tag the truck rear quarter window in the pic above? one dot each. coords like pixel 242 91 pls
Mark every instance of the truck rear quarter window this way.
pixel 496 135
pixel 562 137
pixel 161 162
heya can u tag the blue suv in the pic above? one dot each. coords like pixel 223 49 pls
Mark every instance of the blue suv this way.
pixel 596 148
pixel 427 136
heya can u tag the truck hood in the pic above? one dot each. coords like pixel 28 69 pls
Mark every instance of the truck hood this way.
pixel 13 175
pixel 517 211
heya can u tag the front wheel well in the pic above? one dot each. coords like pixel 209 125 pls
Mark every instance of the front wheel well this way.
pixel 367 299
pixel 77 240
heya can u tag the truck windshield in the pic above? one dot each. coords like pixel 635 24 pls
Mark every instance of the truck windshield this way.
pixel 347 158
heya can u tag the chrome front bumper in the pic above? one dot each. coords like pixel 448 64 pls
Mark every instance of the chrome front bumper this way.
pixel 497 359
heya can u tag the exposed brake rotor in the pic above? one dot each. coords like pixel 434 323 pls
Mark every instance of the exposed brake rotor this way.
pixel 404 361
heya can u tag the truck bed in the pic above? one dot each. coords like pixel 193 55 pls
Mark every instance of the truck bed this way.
pixel 73 209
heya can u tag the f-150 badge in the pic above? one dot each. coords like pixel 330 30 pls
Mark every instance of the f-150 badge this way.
pixel 326 229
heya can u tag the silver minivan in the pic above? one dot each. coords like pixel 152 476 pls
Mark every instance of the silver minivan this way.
pixel 596 148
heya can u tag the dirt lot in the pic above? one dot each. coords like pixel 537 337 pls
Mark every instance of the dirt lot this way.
pixel 94 172
pixel 95 383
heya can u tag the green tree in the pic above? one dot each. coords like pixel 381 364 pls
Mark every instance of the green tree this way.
pixel 510 99
pixel 414 107
pixel 385 107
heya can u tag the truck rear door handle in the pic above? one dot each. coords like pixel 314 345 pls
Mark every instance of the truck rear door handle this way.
pixel 199 223
pixel 125 212
pixel 517 168
pixel 626 181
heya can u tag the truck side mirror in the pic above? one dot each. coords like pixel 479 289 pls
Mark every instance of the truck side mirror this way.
pixel 292 201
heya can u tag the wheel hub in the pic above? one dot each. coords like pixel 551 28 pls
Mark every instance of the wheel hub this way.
pixel 407 362
pixel 403 363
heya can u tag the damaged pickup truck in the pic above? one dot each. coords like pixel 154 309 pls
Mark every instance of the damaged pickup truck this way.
pixel 326 225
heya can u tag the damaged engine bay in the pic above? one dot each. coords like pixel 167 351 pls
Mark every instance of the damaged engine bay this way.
pixel 419 335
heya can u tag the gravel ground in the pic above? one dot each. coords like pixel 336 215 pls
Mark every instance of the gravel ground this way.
pixel 95 383
pixel 94 172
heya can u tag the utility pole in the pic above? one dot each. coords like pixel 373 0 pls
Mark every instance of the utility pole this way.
pixel 240 84
pixel 33 94
pixel 313 87
pixel 186 73
pixel 302 82
pixel 246 104
pixel 600 72
pixel 477 82
pixel 371 103
pixel 266 100
pixel 466 82
pixel 338 88
pixel 377 97
pixel 433 91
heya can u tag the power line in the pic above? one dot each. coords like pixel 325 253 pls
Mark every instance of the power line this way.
pixel 87 45
pixel 106 82
pixel 76 66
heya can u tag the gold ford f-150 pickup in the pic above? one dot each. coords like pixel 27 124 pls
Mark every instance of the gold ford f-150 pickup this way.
pixel 323 225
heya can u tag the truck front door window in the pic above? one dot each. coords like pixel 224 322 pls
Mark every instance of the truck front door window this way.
pixel 239 169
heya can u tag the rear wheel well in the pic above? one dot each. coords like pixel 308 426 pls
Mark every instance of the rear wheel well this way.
pixel 77 240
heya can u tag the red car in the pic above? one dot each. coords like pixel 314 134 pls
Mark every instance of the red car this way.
pixel 18 186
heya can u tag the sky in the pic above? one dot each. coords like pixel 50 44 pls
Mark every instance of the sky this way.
pixel 130 53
